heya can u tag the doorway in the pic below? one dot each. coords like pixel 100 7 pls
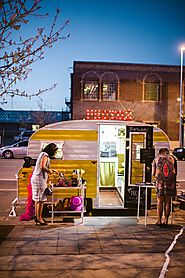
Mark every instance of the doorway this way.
pixel 111 163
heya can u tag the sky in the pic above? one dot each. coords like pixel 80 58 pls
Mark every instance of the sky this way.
pixel 134 31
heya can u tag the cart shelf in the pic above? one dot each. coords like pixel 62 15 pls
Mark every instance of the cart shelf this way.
pixel 80 191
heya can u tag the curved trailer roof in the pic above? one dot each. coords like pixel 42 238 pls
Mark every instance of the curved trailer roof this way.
pixel 84 131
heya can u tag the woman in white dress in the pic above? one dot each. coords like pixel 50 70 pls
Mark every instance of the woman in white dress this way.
pixel 39 180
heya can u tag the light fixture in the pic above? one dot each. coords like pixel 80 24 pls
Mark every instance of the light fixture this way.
pixel 181 125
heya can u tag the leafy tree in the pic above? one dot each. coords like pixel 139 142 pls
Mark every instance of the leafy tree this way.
pixel 18 54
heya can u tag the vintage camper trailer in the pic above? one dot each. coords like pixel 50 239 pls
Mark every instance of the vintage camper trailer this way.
pixel 114 154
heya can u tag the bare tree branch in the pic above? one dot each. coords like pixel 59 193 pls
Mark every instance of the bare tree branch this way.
pixel 19 54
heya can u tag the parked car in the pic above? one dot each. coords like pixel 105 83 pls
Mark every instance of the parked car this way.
pixel 179 153
pixel 24 135
pixel 17 150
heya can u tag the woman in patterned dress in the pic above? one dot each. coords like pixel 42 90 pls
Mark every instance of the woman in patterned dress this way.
pixel 39 180
pixel 164 174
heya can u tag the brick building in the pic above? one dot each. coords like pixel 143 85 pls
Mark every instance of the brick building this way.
pixel 150 91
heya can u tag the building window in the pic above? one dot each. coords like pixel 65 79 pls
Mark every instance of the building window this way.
pixel 109 91
pixel 60 146
pixel 109 83
pixel 90 90
pixel 152 92
pixel 90 86
pixel 152 86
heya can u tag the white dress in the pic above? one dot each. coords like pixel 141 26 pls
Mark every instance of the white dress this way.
pixel 39 179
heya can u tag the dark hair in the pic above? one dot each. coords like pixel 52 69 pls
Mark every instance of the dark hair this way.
pixel 164 151
pixel 50 149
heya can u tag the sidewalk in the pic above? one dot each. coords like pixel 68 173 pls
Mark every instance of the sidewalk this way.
pixel 101 247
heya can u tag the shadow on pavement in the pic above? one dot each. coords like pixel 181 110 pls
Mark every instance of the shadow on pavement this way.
pixel 4 231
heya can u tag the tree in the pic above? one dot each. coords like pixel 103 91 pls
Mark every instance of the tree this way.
pixel 18 53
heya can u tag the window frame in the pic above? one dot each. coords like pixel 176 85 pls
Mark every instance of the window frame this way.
pixel 154 94
pixel 154 83
pixel 110 91
pixel 96 84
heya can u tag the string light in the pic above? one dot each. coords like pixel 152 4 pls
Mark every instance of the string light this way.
pixel 119 115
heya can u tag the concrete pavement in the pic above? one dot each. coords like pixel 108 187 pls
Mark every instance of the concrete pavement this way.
pixel 100 247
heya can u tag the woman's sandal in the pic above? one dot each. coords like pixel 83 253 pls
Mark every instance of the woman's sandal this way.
pixel 38 222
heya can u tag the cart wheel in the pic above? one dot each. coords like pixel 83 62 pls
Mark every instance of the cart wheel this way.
pixel 8 154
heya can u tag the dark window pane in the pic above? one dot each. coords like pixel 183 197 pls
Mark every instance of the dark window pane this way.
pixel 151 91
pixel 109 90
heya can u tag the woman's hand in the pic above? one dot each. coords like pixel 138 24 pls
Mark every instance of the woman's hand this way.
pixel 53 171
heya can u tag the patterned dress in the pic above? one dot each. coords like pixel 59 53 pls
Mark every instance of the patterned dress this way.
pixel 39 179
pixel 165 175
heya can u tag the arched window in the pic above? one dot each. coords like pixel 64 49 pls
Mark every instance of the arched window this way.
pixel 90 86
pixel 151 87
pixel 110 83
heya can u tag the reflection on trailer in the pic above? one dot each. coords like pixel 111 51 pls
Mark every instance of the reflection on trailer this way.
pixel 108 151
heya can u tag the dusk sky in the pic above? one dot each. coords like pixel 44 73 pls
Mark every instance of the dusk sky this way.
pixel 134 31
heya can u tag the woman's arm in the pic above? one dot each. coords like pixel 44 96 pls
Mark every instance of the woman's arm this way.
pixel 43 164
pixel 174 161
pixel 44 167
pixel 153 168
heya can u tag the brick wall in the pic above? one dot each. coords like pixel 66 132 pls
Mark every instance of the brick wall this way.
pixel 165 112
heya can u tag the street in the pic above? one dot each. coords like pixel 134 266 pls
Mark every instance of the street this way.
pixel 8 186
pixel 9 168
pixel 7 195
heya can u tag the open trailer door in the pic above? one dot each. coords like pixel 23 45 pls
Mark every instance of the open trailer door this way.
pixel 138 138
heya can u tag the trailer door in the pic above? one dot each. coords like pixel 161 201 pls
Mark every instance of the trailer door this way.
pixel 138 137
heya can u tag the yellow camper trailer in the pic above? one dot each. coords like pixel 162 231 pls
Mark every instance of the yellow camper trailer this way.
pixel 108 151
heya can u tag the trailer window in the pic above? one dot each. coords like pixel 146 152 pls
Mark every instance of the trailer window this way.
pixel 59 154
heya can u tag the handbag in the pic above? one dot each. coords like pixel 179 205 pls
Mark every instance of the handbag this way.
pixel 48 191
